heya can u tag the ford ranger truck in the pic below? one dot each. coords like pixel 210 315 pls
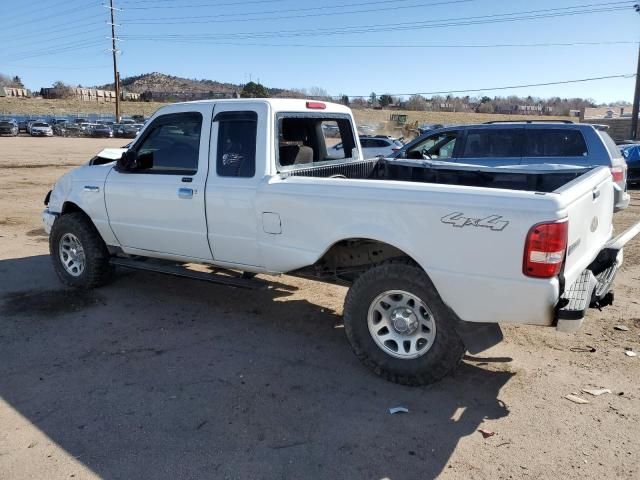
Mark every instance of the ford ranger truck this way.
pixel 435 255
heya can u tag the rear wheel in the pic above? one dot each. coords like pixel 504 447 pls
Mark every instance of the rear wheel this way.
pixel 399 327
pixel 80 256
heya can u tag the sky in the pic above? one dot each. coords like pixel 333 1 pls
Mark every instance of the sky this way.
pixel 351 47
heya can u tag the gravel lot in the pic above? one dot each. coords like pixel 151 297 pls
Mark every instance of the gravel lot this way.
pixel 158 377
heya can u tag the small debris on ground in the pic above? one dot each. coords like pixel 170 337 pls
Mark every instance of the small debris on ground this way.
pixel 576 399
pixel 630 353
pixel 393 410
pixel 622 328
pixel 596 392
pixel 587 349
pixel 486 433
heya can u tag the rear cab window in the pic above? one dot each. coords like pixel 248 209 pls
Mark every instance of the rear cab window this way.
pixel 307 139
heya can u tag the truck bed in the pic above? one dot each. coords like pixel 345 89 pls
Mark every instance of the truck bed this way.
pixel 538 178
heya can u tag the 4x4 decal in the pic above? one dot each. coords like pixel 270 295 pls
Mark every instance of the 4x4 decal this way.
pixel 457 219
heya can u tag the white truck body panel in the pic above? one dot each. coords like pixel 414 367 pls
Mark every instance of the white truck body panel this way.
pixel 277 224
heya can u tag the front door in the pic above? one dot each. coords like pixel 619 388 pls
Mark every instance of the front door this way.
pixel 159 208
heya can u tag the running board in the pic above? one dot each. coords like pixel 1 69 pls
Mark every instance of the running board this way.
pixel 180 270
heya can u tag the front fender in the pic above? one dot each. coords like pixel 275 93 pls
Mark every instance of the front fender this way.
pixel 83 187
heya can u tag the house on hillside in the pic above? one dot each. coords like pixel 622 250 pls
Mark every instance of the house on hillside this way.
pixel 14 92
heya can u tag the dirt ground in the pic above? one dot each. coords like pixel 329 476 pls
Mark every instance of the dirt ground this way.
pixel 159 377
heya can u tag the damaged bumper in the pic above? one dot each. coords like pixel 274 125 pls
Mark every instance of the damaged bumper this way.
pixel 593 287
pixel 47 220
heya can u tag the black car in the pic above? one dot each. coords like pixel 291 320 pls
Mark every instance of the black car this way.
pixel 101 131
pixel 8 127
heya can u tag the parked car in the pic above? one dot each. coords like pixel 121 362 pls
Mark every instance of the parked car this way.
pixel 8 127
pixel 57 121
pixel 376 146
pixel 130 130
pixel 22 125
pixel 429 127
pixel 101 131
pixel 365 129
pixel 507 144
pixel 435 256
pixel 41 129
pixel 631 154
pixel 79 121
pixel 31 122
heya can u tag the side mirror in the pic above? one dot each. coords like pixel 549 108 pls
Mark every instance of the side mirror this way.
pixel 127 162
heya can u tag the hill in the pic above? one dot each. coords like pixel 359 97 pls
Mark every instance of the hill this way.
pixel 162 83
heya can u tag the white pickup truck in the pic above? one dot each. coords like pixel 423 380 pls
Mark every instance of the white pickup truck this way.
pixel 436 255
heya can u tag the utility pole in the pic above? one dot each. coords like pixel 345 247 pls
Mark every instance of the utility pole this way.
pixel 114 51
pixel 636 96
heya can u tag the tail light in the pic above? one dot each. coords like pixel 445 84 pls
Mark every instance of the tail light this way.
pixel 618 174
pixel 544 249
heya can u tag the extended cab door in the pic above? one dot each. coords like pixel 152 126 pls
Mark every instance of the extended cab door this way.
pixel 239 149
pixel 159 206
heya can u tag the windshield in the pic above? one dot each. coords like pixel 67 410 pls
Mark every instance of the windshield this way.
pixel 40 124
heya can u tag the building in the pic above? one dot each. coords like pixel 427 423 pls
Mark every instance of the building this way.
pixel 85 94
pixel 14 92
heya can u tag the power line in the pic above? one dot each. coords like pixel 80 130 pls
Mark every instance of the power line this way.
pixel 443 23
pixel 434 46
pixel 41 53
pixel 307 9
pixel 41 9
pixel 595 7
pixel 183 6
pixel 510 87
pixel 45 18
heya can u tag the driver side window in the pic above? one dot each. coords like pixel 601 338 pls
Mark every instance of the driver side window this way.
pixel 439 146
pixel 171 146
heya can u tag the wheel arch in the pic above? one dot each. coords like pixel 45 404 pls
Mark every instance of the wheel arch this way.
pixel 348 257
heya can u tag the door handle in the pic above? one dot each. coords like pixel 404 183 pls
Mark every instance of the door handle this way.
pixel 185 192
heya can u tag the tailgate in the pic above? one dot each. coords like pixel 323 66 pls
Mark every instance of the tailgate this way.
pixel 589 208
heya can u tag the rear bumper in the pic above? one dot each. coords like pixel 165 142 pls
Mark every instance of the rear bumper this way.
pixel 621 199
pixel 593 287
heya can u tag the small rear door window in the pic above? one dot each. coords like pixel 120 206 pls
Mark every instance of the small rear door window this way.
pixel 548 142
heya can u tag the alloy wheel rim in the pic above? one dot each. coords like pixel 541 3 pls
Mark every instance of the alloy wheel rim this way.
pixel 72 254
pixel 401 324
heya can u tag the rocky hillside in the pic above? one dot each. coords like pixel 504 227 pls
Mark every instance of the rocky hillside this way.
pixel 159 82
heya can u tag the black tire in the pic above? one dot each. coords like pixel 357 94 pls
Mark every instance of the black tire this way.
pixel 447 348
pixel 97 270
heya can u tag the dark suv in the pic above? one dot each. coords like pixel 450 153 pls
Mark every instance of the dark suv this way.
pixel 501 144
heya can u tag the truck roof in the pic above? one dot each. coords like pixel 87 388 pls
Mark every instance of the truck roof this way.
pixel 282 104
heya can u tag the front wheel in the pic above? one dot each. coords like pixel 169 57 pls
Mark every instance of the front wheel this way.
pixel 399 327
pixel 80 256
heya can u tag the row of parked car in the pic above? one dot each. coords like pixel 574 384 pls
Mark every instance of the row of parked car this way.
pixel 78 127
